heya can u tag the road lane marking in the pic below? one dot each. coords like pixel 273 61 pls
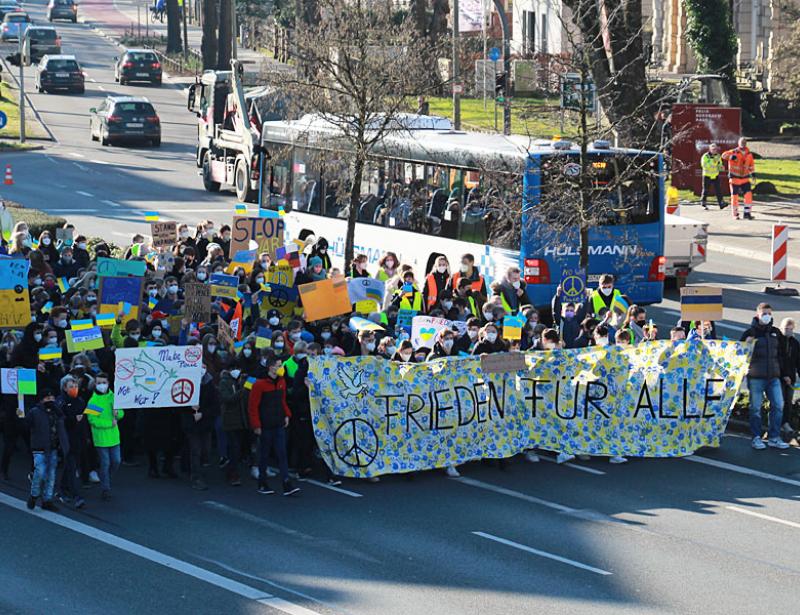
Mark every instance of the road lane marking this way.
pixel 574 466
pixel 742 470
pixel 76 155
pixel 197 211
pixel 111 203
pixel 80 166
pixel 157 557
pixel 81 192
pixel 752 513
pixel 243 514
pixel 540 553
pixel 100 162
pixel 100 87
pixel 515 494
pixel 318 483
pixel 77 210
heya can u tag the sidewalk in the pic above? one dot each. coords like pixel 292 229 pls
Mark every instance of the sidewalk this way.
pixel 113 17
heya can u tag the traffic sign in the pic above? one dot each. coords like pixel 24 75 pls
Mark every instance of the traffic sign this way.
pixel 458 88
pixel 3 120
pixel 494 54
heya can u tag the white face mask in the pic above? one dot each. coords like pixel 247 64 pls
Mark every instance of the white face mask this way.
pixel 447 304
pixel 473 334
pixel 327 350
pixel 62 324
pixel 201 275
pixel 515 284
pixel 390 350
pixel 82 246
pixel 300 356
pixel 101 388
pixel 46 241
pixel 294 336
pixel 259 280
pixel 184 234
pixel 173 288
pixel 441 268
pixel 152 292
pixel 488 316
pixel 491 337
pixel 135 336
pixel 788 331
pixel 447 345
pixel 548 345
pixel 274 320
pixel 765 319
pixel 37 281
pixel 406 356
pixel 212 348
pixel 370 346
pixel 37 337
pixel 325 335
pixel 389 264
pixel 235 373
pixel 464 268
pixel 263 362
pixel 156 333
pixel 606 290
pixel 278 345
pixel 247 352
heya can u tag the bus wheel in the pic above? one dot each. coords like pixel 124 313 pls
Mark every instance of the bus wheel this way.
pixel 242 182
pixel 209 184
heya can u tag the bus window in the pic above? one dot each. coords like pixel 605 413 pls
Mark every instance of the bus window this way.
pixel 279 176
pixel 372 189
pixel 307 186
pixel 337 195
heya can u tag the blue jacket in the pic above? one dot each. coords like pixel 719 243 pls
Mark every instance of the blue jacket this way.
pixel 40 422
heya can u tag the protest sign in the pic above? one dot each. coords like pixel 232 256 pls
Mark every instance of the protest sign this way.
pixel 8 380
pixel 267 233
pixel 424 330
pixel 405 318
pixel 658 399
pixel 280 273
pixel 325 299
pixel 164 234
pixel 279 297
pixel 365 289
pixel 263 338
pixel 116 290
pixel 364 324
pixel 64 235
pixel 26 381
pixel 701 303
pixel 243 259
pixel 197 302
pixel 157 377
pixel 223 285
pixel 15 301
pixel 512 327
pixel 225 334
pixel 116 267
pixel 84 339
pixel 573 284
pixel 503 362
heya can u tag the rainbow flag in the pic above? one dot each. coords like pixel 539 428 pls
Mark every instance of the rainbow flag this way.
pixel 82 325
pixel 151 216
pixel 93 409
pixel 48 353
pixel 105 320
pixel 240 209
pixel 249 383
pixel 63 284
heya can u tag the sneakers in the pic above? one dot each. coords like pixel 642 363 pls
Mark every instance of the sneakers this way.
pixel 198 484
pixel 79 502
pixel 723 206
pixel 254 472
pixel 93 477
pixel 777 443
pixel 223 462
pixel 334 482
pixel 531 457
pixel 265 489
pixel 48 505
pixel 289 488
pixel 65 499
pixel 704 206
pixel 452 472
pixel 617 459
pixel 564 458
pixel 758 443
pixel 31 503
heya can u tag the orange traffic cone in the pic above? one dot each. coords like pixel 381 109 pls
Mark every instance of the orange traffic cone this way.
pixel 9 181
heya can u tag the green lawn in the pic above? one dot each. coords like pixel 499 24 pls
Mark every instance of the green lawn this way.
pixel 9 134
pixel 785 174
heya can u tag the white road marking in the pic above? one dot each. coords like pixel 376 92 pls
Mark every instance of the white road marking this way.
pixel 100 162
pixel 742 470
pixel 51 159
pixel 111 203
pixel 80 166
pixel 81 192
pixel 92 79
pixel 76 155
pixel 352 494
pixel 243 514
pixel 100 87
pixel 552 556
pixel 201 574
pixel 752 513
pixel 574 466
pixel 77 210
pixel 199 211
pixel 515 494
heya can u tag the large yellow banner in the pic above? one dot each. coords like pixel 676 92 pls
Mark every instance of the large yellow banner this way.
pixel 657 399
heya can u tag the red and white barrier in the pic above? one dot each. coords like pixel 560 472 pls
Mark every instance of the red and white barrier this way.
pixel 780 238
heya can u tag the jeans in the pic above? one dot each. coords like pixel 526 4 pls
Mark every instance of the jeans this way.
pixel 110 458
pixel 199 447
pixel 274 438
pixel 44 471
pixel 772 387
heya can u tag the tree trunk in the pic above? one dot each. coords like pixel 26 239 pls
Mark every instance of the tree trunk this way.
pixel 174 44
pixel 225 35
pixel 419 9
pixel 208 46
pixel 355 203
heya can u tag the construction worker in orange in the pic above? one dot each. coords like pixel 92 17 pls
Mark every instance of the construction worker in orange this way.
pixel 741 172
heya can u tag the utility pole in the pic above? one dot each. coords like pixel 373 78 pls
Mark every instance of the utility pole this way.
pixel 234 28
pixel 185 9
pixel 506 67
pixel 456 72
pixel 21 93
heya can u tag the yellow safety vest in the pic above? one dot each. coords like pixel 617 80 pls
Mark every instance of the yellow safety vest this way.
pixel 711 165
pixel 405 304
pixel 598 302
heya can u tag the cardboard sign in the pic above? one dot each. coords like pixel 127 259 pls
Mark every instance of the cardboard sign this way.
pixel 15 300
pixel 116 267
pixel 281 298
pixel 158 376
pixel 64 235
pixel 424 330
pixel 280 273
pixel 116 290
pixel 265 233
pixel 164 233
pixel 573 284
pixel 8 380
pixel 223 285
pixel 85 339
pixel 503 362
pixel 197 302
pixel 366 289
pixel 225 334
pixel 701 303
pixel 325 299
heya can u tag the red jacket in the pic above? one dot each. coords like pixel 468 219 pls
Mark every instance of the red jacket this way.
pixel 267 404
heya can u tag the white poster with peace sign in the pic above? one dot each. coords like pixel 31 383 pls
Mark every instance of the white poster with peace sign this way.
pixel 158 377
pixel 424 330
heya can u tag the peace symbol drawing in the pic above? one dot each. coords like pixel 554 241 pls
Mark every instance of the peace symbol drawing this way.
pixel 572 286
pixel 356 443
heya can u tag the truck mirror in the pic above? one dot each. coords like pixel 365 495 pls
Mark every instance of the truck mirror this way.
pixel 190 103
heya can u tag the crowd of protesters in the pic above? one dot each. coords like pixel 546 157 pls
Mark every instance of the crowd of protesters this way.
pixel 250 427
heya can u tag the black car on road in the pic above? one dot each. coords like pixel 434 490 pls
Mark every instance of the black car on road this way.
pixel 125 118
pixel 62 9
pixel 138 65
pixel 59 72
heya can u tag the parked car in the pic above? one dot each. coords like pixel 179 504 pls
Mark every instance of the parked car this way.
pixel 62 9
pixel 40 41
pixel 61 72
pixel 137 65
pixel 9 7
pixel 14 25
pixel 125 118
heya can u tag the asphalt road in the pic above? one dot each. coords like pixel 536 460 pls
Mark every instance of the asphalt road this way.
pixel 710 534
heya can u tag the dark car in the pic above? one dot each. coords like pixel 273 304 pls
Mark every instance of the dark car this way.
pixel 40 41
pixel 6 8
pixel 138 65
pixel 125 118
pixel 60 72
pixel 62 9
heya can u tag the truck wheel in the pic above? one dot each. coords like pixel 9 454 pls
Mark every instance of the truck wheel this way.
pixel 209 184
pixel 242 182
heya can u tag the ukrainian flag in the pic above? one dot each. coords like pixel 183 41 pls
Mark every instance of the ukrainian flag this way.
pixel 104 320
pixel 249 383
pixel 240 209
pixel 47 307
pixel 373 293
pixel 63 284
pixel 151 216
pixel 620 304
pixel 49 353
pixel 152 303
pixel 701 303
pixel 82 325
pixel 93 409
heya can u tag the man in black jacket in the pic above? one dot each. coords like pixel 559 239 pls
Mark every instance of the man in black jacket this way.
pixel 71 406
pixel 766 375
pixel 792 356
pixel 48 436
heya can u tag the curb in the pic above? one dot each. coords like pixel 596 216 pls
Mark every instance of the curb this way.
pixel 34 148
pixel 722 248
pixel 29 103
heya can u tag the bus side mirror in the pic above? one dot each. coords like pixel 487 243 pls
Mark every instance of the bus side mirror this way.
pixel 191 98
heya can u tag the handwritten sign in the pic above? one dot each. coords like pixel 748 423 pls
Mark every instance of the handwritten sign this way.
pixel 503 362
pixel 116 290
pixel 118 267
pixel 280 273
pixel 265 233
pixel 223 285
pixel 86 339
pixel 15 301
pixel 225 334
pixel 164 233
pixel 424 330
pixel 197 302
pixel 8 379
pixel 157 377
pixel 325 299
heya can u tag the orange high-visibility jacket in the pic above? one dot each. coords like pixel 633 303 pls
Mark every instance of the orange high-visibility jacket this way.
pixel 741 164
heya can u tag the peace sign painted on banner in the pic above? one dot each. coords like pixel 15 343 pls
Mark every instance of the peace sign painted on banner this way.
pixel 356 443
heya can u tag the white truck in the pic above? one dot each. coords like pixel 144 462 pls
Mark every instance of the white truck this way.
pixel 685 242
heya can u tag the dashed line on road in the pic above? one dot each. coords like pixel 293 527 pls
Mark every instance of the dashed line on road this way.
pixel 111 203
pixel 100 87
pixel 243 514
pixel 752 513
pixel 157 557
pixel 83 193
pixel 100 162
pixel 722 465
pixel 76 210
pixel 80 166
pixel 545 554
pixel 574 466
pixel 352 494
pixel 515 494
pixel 75 155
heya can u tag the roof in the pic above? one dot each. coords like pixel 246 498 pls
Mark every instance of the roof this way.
pixel 41 27
pixel 139 50
pixel 127 98
pixel 60 56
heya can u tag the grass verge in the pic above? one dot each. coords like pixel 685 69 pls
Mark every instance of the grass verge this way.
pixel 9 104
pixel 784 174
pixel 36 219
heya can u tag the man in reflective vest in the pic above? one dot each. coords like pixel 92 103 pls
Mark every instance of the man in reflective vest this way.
pixel 711 164
pixel 407 297
pixel 604 297
pixel 468 271
pixel 741 172
pixel 473 300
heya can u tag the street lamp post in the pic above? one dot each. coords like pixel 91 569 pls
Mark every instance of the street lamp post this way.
pixel 21 91
pixel 456 75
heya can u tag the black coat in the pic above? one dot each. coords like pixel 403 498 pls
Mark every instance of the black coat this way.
pixel 768 360
pixel 792 357
pixel 72 409
pixel 40 422
pixel 209 407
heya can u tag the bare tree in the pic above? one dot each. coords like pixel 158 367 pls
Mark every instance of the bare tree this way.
pixel 174 44
pixel 226 34
pixel 208 44
pixel 361 65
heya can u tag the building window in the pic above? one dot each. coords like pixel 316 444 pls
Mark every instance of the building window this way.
pixel 544 48
pixel 529 31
